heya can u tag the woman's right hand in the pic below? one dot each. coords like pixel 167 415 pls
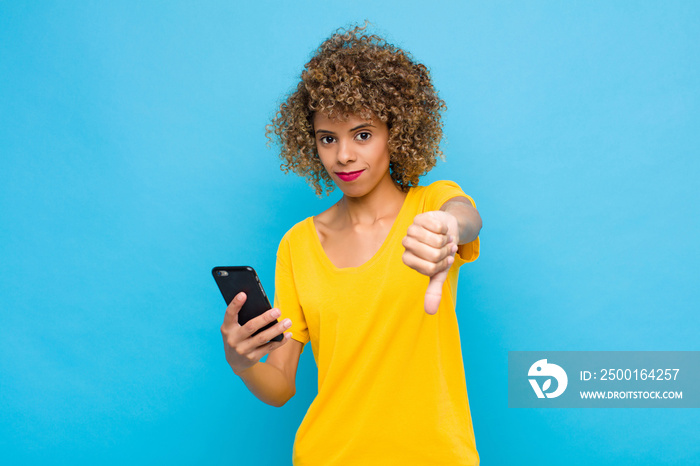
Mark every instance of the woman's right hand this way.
pixel 242 349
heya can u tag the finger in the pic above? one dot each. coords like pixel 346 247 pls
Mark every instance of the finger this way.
pixel 422 234
pixel 269 347
pixel 426 267
pixel 253 325
pixel 231 316
pixel 427 252
pixel 430 221
pixel 433 294
pixel 256 341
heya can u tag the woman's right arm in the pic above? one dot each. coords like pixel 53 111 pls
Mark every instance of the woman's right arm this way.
pixel 273 381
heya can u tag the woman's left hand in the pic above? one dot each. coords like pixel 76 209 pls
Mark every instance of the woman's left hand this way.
pixel 431 243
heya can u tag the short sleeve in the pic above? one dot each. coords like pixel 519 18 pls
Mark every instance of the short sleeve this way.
pixel 436 194
pixel 286 297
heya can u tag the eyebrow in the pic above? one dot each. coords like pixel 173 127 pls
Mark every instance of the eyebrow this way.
pixel 363 125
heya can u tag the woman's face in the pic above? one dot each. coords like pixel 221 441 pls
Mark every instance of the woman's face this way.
pixel 355 152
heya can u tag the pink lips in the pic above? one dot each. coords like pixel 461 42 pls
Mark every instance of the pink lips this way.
pixel 349 176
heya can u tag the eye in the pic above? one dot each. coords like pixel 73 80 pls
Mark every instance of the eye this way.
pixel 363 136
pixel 326 139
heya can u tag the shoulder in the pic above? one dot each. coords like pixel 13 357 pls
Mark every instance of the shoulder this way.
pixel 296 234
pixel 434 195
pixel 437 187
pixel 443 185
pixel 326 220
pixel 305 231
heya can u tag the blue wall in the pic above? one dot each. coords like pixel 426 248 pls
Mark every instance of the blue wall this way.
pixel 134 159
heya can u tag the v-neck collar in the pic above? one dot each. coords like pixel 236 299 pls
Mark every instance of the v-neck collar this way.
pixel 385 245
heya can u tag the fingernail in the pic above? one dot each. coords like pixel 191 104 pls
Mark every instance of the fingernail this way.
pixel 287 323
pixel 288 335
pixel 454 248
pixel 276 313
pixel 240 296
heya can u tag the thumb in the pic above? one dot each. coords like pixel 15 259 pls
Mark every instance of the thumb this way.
pixel 234 306
pixel 433 294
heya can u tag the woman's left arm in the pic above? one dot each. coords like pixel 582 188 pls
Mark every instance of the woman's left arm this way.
pixel 468 218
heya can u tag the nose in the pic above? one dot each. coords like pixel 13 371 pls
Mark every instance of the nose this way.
pixel 345 153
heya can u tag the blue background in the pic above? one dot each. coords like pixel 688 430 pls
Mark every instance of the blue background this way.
pixel 134 159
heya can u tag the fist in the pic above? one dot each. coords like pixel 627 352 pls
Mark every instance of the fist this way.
pixel 431 243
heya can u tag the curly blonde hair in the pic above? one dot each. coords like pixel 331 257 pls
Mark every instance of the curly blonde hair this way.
pixel 354 73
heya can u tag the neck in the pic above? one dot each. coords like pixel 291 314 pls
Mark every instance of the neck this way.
pixel 383 201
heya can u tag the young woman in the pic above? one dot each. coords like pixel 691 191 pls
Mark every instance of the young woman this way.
pixel 371 282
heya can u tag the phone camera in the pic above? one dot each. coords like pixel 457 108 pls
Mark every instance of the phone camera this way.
pixel 222 273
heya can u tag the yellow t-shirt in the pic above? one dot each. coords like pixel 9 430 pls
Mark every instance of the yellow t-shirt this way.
pixel 391 386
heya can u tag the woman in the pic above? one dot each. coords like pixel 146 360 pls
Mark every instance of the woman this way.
pixel 371 281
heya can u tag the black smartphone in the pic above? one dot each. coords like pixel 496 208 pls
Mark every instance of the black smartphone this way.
pixel 233 280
